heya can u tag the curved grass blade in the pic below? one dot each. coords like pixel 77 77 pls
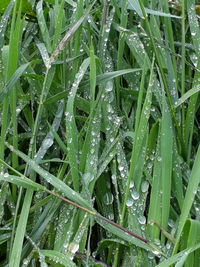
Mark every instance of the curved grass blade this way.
pixel 58 257
pixel 179 257
pixel 187 95
pixel 13 80
pixel 76 198
pixel 107 76
pixel 21 181
pixel 54 181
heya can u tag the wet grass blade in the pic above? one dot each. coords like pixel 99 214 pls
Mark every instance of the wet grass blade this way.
pixel 189 197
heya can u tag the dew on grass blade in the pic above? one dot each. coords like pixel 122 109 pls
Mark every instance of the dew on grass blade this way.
pixel 142 219
pixel 108 198
pixel 135 195
pixel 144 186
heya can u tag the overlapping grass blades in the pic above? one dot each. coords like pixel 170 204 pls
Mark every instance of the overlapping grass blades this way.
pixel 99 122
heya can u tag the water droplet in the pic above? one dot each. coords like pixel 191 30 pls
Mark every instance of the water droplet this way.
pixel 135 195
pixel 73 248
pixel 131 184
pixel 142 219
pixel 144 186
pixel 159 158
pixel 129 202
pixel 121 168
pixel 108 198
pixel 155 252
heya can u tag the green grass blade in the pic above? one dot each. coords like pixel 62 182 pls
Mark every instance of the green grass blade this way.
pixel 189 197
pixel 13 80
pixel 166 155
pixel 71 128
pixel 55 256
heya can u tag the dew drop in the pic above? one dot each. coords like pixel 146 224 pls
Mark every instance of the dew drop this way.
pixel 142 219
pixel 131 184
pixel 129 202
pixel 135 195
pixel 144 186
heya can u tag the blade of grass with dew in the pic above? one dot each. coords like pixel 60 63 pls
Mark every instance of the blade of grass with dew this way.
pixel 158 55
pixel 53 256
pixel 20 231
pixel 43 26
pixel 12 61
pixel 121 45
pixel 122 235
pixel 110 154
pixel 58 17
pixel 4 22
pixel 3 196
pixel 75 243
pixel 37 249
pixel 44 53
pixel 183 55
pixel 69 35
pixel 170 41
pixel 136 6
pixel 41 223
pixel 179 257
pixel 79 11
pixel 107 76
pixel 12 81
pixel 48 140
pixel 65 228
pixel 21 181
pixel 89 157
pixel 187 95
pixel 160 13
pixel 45 220
pixel 85 146
pixel 61 186
pixel 195 35
pixel 189 239
pixel 71 129
pixel 137 49
pixel 137 149
pixel 177 181
pixel 11 66
pixel 58 140
pixel 154 213
pixel 189 198
pixel 166 142
pixel 90 169
pixel 100 79
pixel 140 131
pixel 92 74
pixel 107 224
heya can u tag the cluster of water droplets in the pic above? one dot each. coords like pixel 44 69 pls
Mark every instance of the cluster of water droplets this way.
pixel 64 223
pixel 94 141
pixel 108 200
pixel 71 248
pixel 136 203
pixel 149 163
pixel 105 33
pixel 122 165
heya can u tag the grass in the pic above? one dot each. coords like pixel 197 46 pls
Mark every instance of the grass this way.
pixel 99 133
